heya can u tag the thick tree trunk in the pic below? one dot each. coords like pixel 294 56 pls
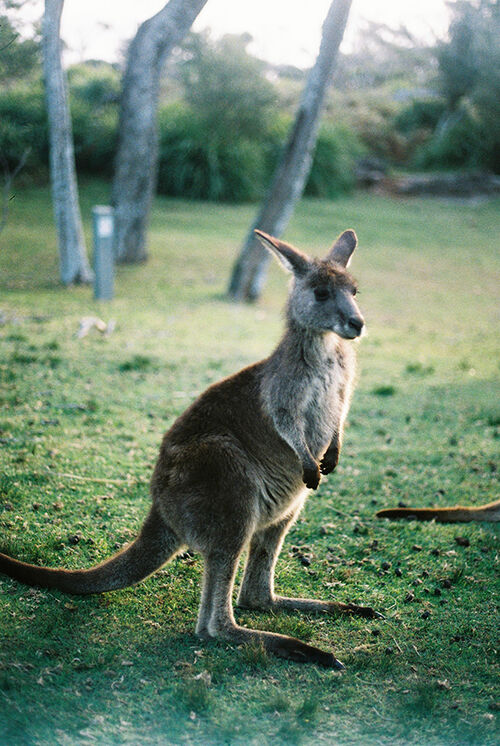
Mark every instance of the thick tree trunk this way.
pixel 74 266
pixel 291 174
pixel 137 156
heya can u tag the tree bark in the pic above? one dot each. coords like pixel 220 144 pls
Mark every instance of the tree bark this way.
pixel 288 183
pixel 74 266
pixel 137 155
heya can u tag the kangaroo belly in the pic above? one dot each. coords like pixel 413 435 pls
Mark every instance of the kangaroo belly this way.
pixel 275 504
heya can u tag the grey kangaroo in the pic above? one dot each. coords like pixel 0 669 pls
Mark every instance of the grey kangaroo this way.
pixel 234 470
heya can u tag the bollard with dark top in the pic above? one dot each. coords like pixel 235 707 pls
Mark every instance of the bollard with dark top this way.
pixel 103 224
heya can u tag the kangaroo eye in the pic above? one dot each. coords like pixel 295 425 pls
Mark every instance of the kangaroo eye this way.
pixel 354 291
pixel 321 294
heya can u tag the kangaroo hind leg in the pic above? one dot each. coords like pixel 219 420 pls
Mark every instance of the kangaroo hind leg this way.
pixel 257 588
pixel 217 619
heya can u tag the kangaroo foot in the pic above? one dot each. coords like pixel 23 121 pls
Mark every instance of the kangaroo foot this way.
pixel 310 605
pixel 280 645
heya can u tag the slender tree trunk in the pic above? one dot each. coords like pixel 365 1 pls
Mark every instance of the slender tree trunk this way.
pixel 137 156
pixel 249 271
pixel 74 266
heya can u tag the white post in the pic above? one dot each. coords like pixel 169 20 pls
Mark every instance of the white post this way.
pixel 103 226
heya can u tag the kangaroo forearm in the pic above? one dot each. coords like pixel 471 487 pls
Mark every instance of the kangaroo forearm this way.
pixel 331 456
pixel 290 428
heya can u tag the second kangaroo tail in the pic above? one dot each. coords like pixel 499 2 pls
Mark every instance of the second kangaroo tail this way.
pixel 456 514
pixel 155 544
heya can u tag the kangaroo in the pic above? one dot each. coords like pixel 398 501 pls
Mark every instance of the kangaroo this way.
pixel 234 470
pixel 456 514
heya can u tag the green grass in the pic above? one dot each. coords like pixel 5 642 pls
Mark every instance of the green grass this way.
pixel 80 424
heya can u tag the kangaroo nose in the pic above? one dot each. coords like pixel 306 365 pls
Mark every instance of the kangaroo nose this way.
pixel 356 323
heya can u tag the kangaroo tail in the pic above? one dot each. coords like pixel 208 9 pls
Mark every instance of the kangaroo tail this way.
pixel 456 514
pixel 155 544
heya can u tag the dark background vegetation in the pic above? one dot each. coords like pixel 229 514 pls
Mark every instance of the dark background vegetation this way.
pixel 224 114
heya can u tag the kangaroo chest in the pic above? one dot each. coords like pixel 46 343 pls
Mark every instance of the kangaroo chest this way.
pixel 324 405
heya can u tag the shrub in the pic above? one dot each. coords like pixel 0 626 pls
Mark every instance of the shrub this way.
pixel 95 133
pixel 197 164
pixel 23 125
pixel 456 143
pixel 370 116
pixel 94 97
pixel 332 171
pixel 420 114
pixel 96 83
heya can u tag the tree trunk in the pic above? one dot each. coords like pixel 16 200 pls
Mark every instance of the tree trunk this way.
pixel 74 266
pixel 249 271
pixel 137 155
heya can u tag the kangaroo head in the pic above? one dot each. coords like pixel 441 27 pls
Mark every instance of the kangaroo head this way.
pixel 322 293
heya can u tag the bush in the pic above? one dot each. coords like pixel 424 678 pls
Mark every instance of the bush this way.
pixel 332 171
pixel 369 115
pixel 420 115
pixel 456 143
pixel 96 83
pixel 95 133
pixel 196 161
pixel 197 165
pixel 23 126
pixel 94 97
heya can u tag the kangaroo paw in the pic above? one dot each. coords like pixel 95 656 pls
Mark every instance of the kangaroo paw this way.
pixel 364 611
pixel 311 478
pixel 329 461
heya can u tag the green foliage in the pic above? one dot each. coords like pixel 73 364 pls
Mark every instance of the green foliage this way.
pixel 191 164
pixel 457 143
pixel 95 132
pixel 221 143
pixel 95 83
pixel 23 125
pixel 93 99
pixel 227 87
pixel 458 62
pixel 420 114
pixel 332 171
pixel 238 169
pixel 469 76
pixel 19 57
pixel 224 141
pixel 369 116
pixel 214 144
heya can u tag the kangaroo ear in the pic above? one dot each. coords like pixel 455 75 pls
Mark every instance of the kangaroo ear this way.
pixel 290 258
pixel 343 248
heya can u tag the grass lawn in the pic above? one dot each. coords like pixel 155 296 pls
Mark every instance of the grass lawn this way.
pixel 80 425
